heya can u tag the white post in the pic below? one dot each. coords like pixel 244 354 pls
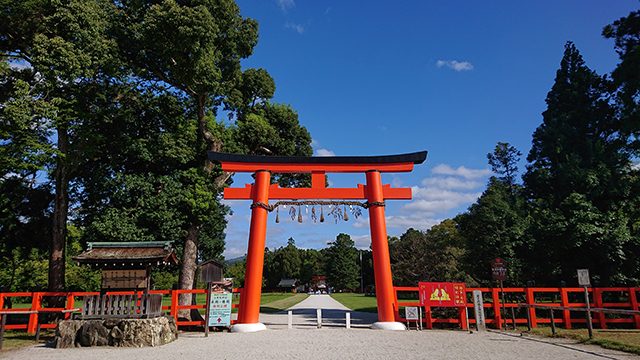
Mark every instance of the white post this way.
pixel 348 320
pixel 290 322
pixel 319 315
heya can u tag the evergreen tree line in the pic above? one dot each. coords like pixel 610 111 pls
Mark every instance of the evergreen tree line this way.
pixel 577 206
pixel 345 267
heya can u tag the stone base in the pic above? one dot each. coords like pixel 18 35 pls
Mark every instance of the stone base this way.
pixel 248 327
pixel 116 332
pixel 390 325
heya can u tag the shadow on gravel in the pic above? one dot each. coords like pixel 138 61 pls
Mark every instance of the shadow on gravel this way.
pixel 551 343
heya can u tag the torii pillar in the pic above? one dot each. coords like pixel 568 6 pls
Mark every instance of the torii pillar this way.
pixel 261 192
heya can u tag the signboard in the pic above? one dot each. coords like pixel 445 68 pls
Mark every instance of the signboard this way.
pixel 411 313
pixel 442 294
pixel 499 269
pixel 124 279
pixel 583 277
pixel 220 309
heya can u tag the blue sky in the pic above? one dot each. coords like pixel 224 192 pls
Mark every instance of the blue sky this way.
pixel 450 77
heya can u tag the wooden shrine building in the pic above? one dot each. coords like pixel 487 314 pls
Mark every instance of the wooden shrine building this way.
pixel 127 265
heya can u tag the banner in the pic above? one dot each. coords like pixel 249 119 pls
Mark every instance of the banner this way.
pixel 442 294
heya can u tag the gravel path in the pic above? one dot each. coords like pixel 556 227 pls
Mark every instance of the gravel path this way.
pixel 333 341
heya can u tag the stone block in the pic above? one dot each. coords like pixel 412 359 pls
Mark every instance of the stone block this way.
pixel 121 332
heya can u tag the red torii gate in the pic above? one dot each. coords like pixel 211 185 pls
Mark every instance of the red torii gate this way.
pixel 261 192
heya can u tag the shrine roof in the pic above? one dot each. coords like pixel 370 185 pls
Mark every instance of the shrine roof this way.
pixel 416 158
pixel 125 253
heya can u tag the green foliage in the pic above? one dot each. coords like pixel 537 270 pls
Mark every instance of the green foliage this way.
pixel 341 267
pixel 503 161
pixel 237 272
pixel 433 255
pixel 579 179
pixel 493 227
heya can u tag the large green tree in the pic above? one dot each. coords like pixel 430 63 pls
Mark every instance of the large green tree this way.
pixel 342 268
pixel 63 44
pixel 495 226
pixel 432 255
pixel 578 179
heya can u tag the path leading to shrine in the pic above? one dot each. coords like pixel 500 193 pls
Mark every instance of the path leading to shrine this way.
pixel 333 341
pixel 305 315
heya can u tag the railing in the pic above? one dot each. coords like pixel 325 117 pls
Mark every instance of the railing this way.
pixel 70 303
pixel 564 298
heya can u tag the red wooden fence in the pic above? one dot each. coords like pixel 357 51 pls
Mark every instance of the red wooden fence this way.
pixel 566 297
pixel 70 302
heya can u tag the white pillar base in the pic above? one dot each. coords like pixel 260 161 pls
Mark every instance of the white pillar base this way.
pixel 242 328
pixel 389 325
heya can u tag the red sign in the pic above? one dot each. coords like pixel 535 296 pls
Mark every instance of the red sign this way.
pixel 442 294
pixel 499 269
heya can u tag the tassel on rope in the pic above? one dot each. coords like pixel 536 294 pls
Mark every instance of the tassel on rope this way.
pixel 346 217
pixel 278 214
pixel 321 213
pixel 299 214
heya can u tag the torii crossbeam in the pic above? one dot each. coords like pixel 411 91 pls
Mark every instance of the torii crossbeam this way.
pixel 261 192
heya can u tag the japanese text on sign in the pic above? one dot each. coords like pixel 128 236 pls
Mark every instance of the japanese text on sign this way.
pixel 220 309
pixel 442 294
pixel 499 269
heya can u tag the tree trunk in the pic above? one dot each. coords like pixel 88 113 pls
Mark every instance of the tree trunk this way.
pixel 188 268
pixel 59 227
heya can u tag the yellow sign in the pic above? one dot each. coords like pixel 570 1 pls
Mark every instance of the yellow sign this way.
pixel 440 295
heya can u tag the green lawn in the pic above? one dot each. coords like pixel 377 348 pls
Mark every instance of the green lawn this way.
pixel 357 302
pixel 276 301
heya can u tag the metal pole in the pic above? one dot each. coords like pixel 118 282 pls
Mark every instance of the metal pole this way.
pixel 589 324
pixel 361 274
pixel 504 312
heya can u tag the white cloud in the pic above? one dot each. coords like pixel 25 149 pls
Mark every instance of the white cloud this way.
pixel 299 28
pixel 285 4
pixel 451 183
pixel 324 152
pixel 405 222
pixel 455 65
pixel 362 241
pixel 444 169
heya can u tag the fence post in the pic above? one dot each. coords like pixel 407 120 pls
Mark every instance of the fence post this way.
pixel 495 294
pixel 396 308
pixel 70 302
pixel 462 317
pixel 564 301
pixel 597 303
pixel 427 317
pixel 532 312
pixel 36 302
pixel 174 304
pixel 633 299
